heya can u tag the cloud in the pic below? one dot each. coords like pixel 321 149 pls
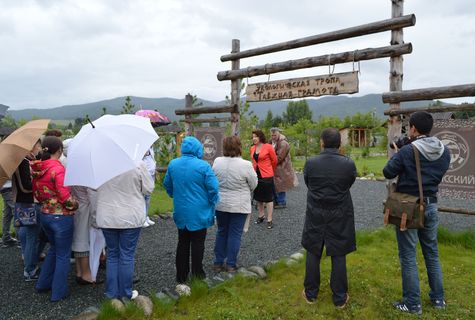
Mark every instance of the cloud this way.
pixel 67 52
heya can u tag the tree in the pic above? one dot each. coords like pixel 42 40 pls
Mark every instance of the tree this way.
pixel 268 121
pixel 128 107
pixel 295 111
pixel 8 121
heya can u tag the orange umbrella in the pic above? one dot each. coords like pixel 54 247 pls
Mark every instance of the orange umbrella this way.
pixel 17 145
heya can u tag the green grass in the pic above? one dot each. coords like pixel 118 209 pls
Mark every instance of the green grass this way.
pixel 374 165
pixel 160 203
pixel 364 166
pixel 374 282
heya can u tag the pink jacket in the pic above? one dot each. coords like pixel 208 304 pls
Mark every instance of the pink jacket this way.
pixel 49 189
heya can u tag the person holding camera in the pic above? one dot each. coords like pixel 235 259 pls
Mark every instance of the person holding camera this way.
pixel 434 162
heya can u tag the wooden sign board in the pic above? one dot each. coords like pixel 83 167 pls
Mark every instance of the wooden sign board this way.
pixel 332 84
pixel 212 140
pixel 459 137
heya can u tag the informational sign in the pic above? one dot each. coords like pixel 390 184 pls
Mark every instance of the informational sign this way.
pixel 332 84
pixel 459 137
pixel 212 140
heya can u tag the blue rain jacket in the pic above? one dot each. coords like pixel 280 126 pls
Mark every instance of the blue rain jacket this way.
pixel 193 186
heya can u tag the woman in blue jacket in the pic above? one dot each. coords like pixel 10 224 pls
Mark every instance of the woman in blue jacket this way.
pixel 193 186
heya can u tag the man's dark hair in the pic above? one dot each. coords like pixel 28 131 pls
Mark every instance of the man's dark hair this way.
pixel 422 121
pixel 331 138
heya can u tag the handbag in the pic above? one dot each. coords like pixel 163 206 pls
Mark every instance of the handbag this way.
pixel 405 210
pixel 25 215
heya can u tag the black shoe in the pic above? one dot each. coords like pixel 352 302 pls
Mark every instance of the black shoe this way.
pixel 402 306
pixel 270 225
pixel 10 243
pixel 260 220
pixel 439 304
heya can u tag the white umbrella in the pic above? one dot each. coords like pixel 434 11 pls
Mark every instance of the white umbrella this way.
pixel 106 148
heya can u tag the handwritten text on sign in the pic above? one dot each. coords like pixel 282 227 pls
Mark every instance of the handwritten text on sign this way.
pixel 331 84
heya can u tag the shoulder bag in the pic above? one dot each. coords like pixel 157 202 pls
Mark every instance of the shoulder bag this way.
pixel 405 210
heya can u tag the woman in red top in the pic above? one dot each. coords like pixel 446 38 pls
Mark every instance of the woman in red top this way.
pixel 57 210
pixel 264 161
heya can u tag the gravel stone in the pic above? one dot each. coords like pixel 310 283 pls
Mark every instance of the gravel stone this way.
pixel 259 271
pixel 155 260
pixel 144 303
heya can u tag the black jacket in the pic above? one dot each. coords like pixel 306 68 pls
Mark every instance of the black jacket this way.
pixel 329 217
pixel 22 183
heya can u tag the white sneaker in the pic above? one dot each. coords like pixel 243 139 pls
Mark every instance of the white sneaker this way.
pixel 150 221
pixel 146 224
pixel 135 294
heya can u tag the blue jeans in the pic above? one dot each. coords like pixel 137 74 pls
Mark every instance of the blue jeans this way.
pixel 29 244
pixel 121 245
pixel 407 242
pixel 228 237
pixel 280 198
pixel 56 267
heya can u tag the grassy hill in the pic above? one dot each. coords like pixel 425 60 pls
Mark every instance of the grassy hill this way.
pixel 339 106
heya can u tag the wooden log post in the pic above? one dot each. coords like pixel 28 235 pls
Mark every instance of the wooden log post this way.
pixel 395 74
pixel 235 90
pixel 188 105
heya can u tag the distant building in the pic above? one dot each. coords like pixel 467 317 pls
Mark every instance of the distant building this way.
pixel 357 137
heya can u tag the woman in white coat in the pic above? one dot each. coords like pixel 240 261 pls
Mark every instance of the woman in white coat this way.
pixel 237 179
pixel 120 207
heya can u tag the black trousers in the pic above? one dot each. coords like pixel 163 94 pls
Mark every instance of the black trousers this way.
pixel 194 240
pixel 338 277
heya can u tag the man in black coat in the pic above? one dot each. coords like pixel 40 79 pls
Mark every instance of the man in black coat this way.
pixel 329 219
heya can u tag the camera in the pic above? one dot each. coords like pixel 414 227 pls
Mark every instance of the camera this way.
pixel 400 142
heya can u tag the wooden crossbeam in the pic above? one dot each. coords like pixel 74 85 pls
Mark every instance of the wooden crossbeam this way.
pixel 324 60
pixel 207 120
pixel 370 28
pixel 465 90
pixel 200 110
pixel 447 108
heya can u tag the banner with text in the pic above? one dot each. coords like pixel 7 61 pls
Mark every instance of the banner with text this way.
pixel 459 137
pixel 332 84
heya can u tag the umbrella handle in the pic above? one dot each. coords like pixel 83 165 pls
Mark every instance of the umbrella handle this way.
pixel 89 120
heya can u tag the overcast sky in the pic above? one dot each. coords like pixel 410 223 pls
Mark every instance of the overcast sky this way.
pixel 59 52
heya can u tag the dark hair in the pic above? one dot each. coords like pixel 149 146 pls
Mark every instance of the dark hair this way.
pixel 53 133
pixel 422 121
pixel 232 146
pixel 260 135
pixel 50 145
pixel 331 138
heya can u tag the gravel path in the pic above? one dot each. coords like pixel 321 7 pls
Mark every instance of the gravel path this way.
pixel 156 258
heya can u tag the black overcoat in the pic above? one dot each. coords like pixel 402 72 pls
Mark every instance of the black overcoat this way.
pixel 329 218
